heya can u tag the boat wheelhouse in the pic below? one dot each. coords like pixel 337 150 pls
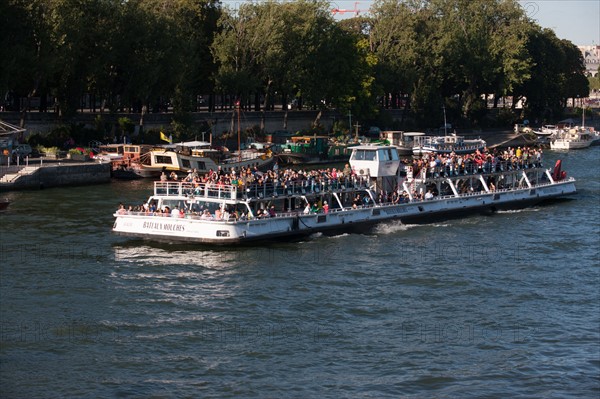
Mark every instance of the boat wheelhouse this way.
pixel 403 141
pixel 298 204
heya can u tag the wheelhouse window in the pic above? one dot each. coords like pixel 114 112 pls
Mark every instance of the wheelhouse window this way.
pixel 363 155
pixel 163 159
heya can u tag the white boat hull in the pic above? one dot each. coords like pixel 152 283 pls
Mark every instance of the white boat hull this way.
pixel 194 229
pixel 569 145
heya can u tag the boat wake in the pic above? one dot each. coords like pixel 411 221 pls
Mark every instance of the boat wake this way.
pixel 161 257
pixel 340 236
pixel 508 211
pixel 394 227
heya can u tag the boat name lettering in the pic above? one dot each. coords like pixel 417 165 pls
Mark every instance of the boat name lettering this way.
pixel 163 226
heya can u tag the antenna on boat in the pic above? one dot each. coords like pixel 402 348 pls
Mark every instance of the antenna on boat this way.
pixel 445 124
pixel 237 107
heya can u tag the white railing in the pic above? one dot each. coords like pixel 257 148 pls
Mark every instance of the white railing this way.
pixel 254 190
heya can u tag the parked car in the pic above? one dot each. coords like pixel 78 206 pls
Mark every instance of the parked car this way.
pixel 22 150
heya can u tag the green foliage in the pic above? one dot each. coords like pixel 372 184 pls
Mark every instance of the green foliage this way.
pixel 594 82
pixel 48 150
pixel 126 125
pixel 140 54
pixel 506 117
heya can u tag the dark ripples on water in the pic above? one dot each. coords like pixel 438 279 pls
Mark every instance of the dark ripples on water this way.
pixel 501 306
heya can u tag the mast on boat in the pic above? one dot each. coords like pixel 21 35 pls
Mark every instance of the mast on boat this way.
pixel 445 124
pixel 237 104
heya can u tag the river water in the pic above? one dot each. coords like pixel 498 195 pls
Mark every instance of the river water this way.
pixel 487 306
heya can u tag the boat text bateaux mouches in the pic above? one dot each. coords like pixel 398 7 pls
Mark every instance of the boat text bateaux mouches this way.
pixel 376 188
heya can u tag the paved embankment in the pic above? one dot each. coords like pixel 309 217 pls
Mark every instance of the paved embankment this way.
pixel 55 174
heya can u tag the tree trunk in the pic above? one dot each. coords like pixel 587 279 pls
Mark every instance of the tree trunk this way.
pixel 264 108
pixel 317 119
pixel 142 114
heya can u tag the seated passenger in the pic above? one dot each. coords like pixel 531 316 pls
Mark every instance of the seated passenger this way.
pixel 206 215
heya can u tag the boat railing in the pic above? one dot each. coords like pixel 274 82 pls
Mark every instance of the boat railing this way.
pixel 305 187
pixel 473 168
pixel 255 190
pixel 186 189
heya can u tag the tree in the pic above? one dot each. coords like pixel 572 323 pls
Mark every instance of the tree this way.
pixel 26 50
pixel 558 72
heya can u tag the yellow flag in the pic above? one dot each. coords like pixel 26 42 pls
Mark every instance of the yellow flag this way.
pixel 164 137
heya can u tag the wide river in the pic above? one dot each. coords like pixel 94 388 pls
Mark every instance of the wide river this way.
pixel 495 306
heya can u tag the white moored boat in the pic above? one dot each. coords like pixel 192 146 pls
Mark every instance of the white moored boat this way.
pixel 574 137
pixel 446 145
pixel 300 204
pixel 547 131
pixel 571 139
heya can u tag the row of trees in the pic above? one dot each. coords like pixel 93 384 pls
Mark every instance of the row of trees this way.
pixel 420 55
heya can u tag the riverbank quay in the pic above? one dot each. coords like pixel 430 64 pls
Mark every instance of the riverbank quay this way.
pixel 41 173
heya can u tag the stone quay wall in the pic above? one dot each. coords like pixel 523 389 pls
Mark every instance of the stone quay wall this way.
pixel 59 174
pixel 224 121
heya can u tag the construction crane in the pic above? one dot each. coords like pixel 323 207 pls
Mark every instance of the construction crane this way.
pixel 344 10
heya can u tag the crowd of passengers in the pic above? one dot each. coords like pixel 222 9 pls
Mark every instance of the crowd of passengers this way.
pixel 441 165
pixel 435 165
pixel 247 177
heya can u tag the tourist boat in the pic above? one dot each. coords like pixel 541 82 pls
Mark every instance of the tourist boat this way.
pixel 446 145
pixel 201 156
pixel 573 138
pixel 380 189
pixel 403 141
